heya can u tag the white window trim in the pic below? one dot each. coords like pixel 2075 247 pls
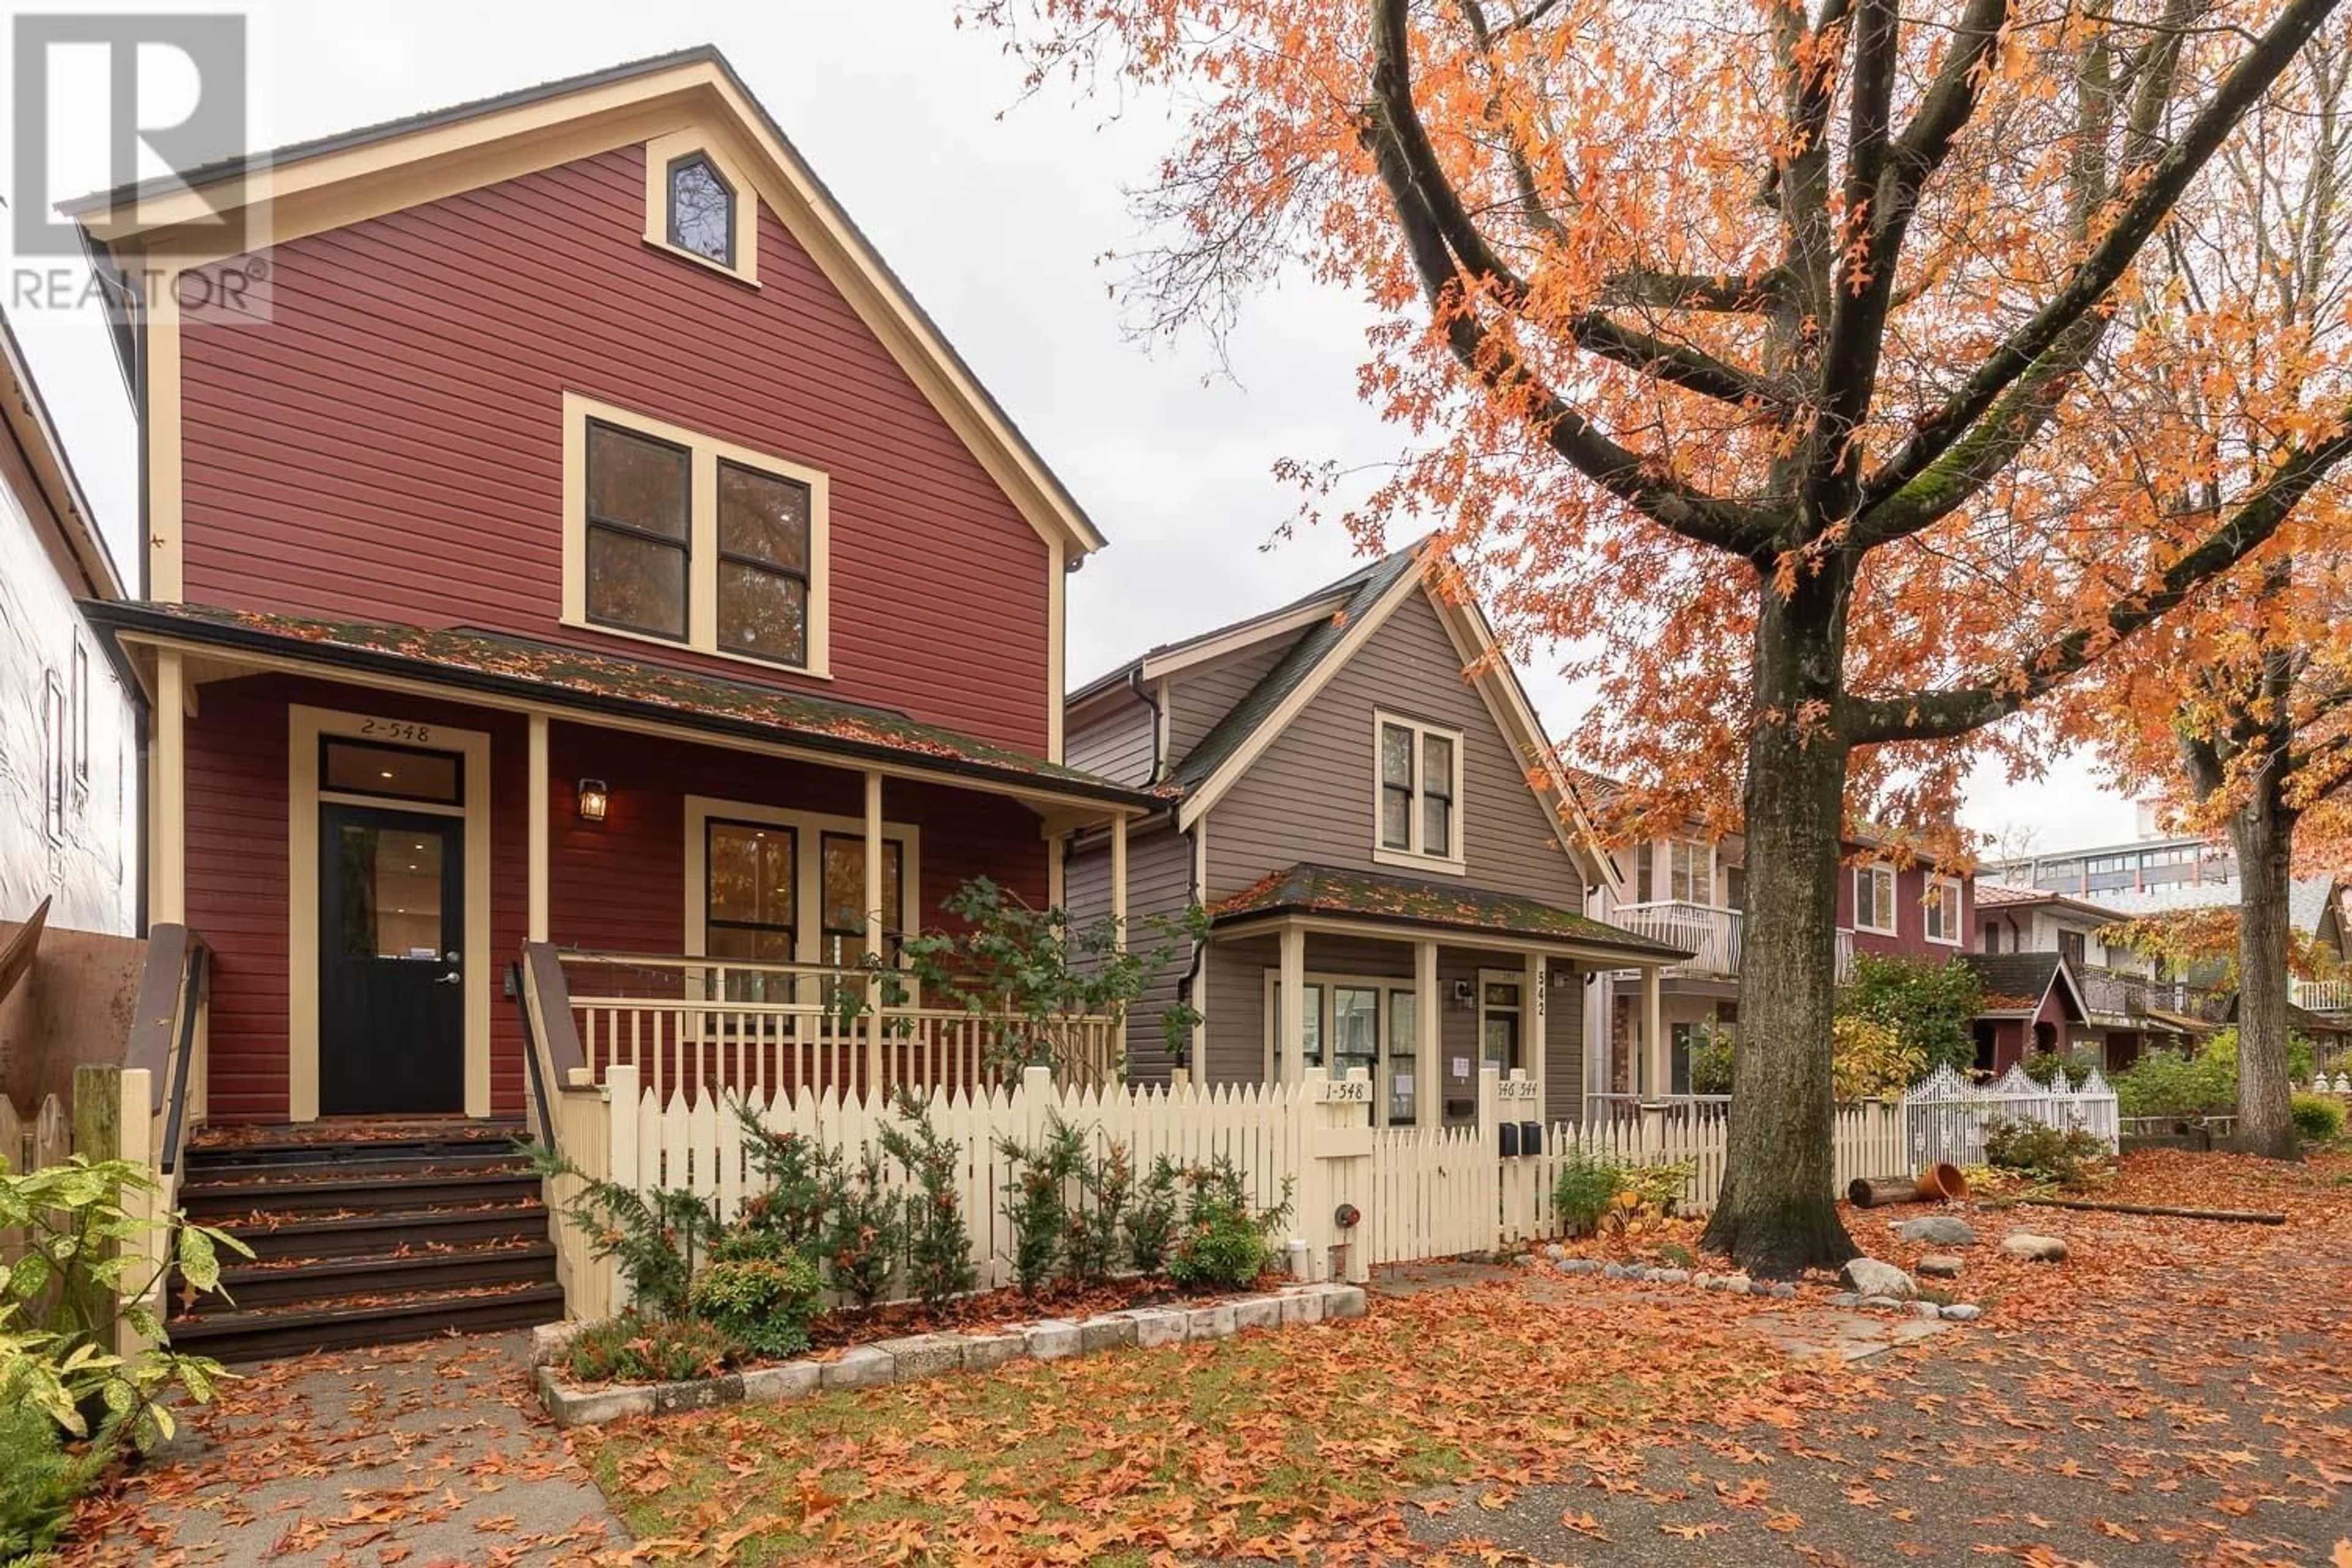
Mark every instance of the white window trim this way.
pixel 56 756
pixel 1951 907
pixel 1395 991
pixel 664 150
pixel 1894 886
pixel 808 868
pixel 1415 857
pixel 705 454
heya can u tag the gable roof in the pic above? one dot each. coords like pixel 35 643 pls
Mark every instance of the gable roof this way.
pixel 2015 983
pixel 1231 637
pixel 27 423
pixel 689 82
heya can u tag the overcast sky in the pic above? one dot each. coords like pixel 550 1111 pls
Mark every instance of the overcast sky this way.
pixel 995 213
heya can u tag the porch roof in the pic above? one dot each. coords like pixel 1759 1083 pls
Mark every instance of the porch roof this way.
pixel 566 678
pixel 1380 897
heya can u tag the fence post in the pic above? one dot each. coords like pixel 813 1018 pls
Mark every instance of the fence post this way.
pixel 1336 1154
pixel 622 1101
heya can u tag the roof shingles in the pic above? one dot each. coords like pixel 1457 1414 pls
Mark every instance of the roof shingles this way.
pixel 1308 888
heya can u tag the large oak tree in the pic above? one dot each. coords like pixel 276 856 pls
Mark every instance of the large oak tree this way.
pixel 1763 347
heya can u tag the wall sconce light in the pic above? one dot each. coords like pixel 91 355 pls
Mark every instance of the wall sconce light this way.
pixel 596 800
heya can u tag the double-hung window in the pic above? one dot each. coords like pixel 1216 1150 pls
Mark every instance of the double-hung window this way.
pixel 1941 910
pixel 1419 794
pixel 1874 899
pixel 1690 872
pixel 677 537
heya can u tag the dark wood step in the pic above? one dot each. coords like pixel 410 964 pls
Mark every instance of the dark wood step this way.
pixel 255 1145
pixel 215 1200
pixel 373 1231
pixel 257 1333
pixel 358 1162
pixel 324 1280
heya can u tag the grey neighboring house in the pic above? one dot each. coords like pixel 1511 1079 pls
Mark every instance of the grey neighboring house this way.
pixel 1362 798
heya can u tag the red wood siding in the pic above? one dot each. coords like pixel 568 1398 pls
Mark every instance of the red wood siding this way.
pixel 620 885
pixel 389 447
pixel 1910 940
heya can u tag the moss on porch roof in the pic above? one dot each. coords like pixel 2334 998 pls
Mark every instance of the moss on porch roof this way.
pixel 1415 900
pixel 569 677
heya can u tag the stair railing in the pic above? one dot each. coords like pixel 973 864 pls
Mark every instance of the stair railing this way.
pixel 571 1116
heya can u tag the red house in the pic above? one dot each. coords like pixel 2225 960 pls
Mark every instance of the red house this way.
pixel 581 582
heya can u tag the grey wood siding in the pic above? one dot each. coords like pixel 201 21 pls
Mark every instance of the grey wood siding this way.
pixel 1236 971
pixel 1198 698
pixel 1309 795
pixel 1159 882
pixel 1116 745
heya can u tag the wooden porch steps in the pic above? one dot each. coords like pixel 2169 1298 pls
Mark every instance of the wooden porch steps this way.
pixel 365 1235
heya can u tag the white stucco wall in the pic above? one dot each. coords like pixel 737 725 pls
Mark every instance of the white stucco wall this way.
pixel 89 863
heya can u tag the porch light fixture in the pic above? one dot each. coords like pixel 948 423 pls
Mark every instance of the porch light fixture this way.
pixel 594 800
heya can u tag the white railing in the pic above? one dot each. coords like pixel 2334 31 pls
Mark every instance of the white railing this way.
pixel 693 1036
pixel 1612 1107
pixel 1945 1117
pixel 1711 935
pixel 2321 996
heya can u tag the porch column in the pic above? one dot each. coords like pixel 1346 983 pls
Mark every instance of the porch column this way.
pixel 1653 1036
pixel 874 914
pixel 168 904
pixel 1534 1048
pixel 1290 1023
pixel 535 915
pixel 1118 879
pixel 1428 1020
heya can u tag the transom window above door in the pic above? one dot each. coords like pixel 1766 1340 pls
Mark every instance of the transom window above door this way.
pixel 677 537
pixel 1419 794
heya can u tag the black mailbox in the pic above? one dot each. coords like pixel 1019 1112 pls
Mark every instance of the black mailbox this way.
pixel 1531 1137
pixel 1510 1131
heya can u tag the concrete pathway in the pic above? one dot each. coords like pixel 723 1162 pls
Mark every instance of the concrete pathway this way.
pixel 419 1454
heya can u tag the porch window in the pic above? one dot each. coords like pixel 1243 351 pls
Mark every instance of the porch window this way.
pixel 1498 1024
pixel 1403 1019
pixel 1347 1011
pixel 1420 791
pixel 677 537
pixel 750 909
pixel 844 929
pixel 1874 899
pixel 1941 910
pixel 640 493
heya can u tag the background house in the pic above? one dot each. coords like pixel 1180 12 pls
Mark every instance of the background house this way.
pixel 1373 833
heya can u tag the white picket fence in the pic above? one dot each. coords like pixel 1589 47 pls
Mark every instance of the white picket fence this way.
pixel 1414 1192
pixel 1945 1116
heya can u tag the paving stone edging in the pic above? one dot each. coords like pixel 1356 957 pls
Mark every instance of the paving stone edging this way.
pixel 913 1357
pixel 1740 1285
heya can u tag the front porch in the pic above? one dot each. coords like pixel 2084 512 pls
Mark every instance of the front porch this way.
pixel 1420 984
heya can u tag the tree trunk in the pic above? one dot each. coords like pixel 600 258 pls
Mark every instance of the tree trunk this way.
pixel 1777 1214
pixel 2263 833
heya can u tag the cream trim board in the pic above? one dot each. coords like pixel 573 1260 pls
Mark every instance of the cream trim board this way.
pixel 164 513
pixel 1944 897
pixel 1276 723
pixel 304 727
pixel 808 868
pixel 1236 639
pixel 1875 869
pixel 705 453
pixel 1415 853
pixel 743 241
pixel 1057 594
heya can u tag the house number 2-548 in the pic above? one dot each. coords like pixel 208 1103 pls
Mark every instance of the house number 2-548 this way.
pixel 396 729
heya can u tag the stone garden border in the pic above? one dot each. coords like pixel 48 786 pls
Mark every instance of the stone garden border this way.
pixel 1740 1285
pixel 916 1356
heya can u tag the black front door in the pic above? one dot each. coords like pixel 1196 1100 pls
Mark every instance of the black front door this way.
pixel 391 998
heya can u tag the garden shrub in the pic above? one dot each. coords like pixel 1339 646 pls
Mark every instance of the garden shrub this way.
pixel 2043 1154
pixel 1152 1218
pixel 2316 1121
pixel 1106 1186
pixel 939 1243
pixel 659 1237
pixel 638 1348
pixel 1712 1052
pixel 2170 1083
pixel 762 1305
pixel 1870 1060
pixel 804 1181
pixel 2043 1067
pixel 864 1236
pixel 1037 1206
pixel 40 1477
pixel 1585 1186
pixel 1223 1244
pixel 1930 1007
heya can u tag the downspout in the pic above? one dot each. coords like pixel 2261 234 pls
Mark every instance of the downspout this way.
pixel 1135 685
